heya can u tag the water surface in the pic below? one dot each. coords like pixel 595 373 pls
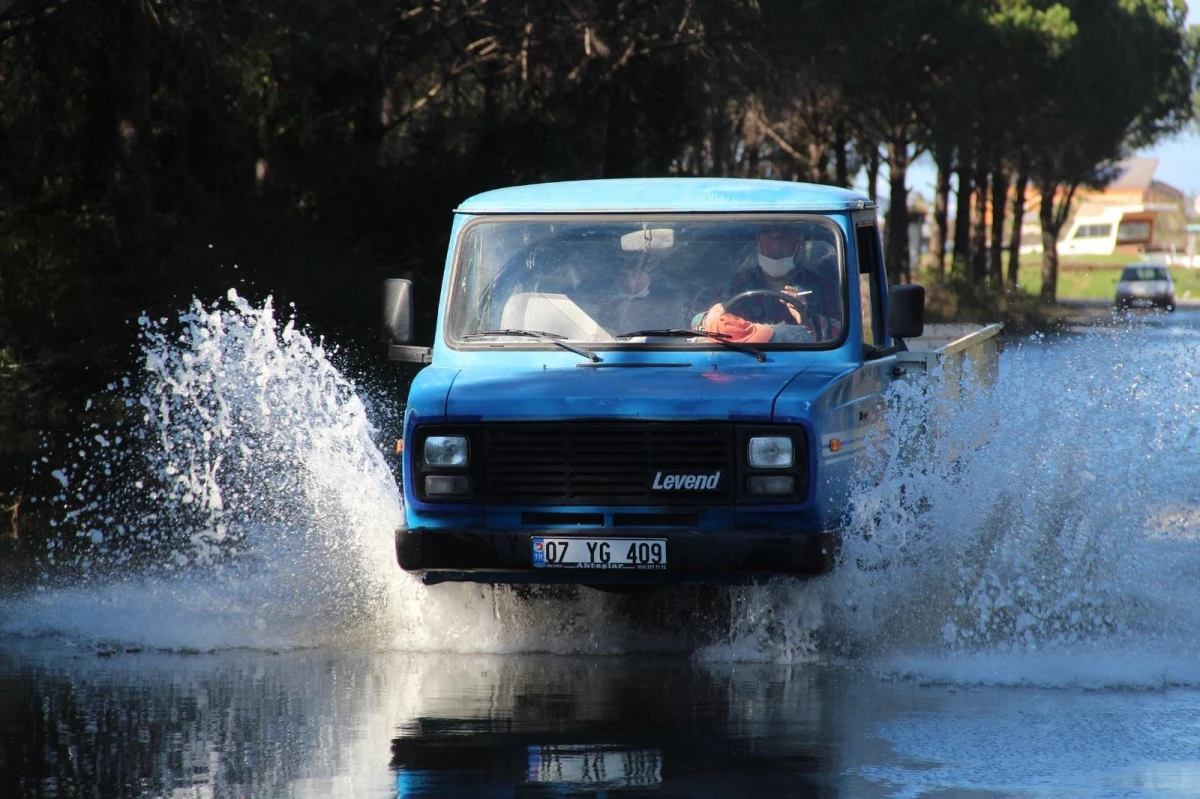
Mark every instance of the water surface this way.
pixel 223 615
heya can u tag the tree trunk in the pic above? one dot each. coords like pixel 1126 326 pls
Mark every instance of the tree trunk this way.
pixel 133 184
pixel 371 111
pixel 591 131
pixel 962 219
pixel 1014 244
pixel 841 169
pixel 720 142
pixel 754 162
pixel 941 212
pixel 873 174
pixel 979 226
pixel 264 139
pixel 818 158
pixel 596 141
pixel 999 209
pixel 1050 229
pixel 896 250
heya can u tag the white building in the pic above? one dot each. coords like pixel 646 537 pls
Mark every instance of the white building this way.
pixel 1133 214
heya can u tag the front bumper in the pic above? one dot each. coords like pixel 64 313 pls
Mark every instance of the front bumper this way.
pixel 731 557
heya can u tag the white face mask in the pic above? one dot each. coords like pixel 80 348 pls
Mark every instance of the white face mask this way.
pixel 777 267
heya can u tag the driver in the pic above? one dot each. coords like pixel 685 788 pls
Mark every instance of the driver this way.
pixel 757 318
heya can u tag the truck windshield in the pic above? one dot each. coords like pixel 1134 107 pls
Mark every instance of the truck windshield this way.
pixel 769 280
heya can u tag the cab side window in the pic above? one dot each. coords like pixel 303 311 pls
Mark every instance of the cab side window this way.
pixel 869 292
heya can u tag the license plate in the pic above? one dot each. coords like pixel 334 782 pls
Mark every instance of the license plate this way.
pixel 599 553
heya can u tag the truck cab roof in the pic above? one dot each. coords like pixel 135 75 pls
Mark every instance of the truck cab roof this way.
pixel 665 195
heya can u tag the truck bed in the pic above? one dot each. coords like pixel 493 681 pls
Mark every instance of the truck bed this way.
pixel 958 356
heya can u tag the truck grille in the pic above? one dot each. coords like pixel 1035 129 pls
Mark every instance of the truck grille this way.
pixel 605 463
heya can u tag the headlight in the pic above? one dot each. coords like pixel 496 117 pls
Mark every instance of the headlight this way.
pixel 446 451
pixel 770 452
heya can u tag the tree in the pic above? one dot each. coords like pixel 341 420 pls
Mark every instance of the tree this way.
pixel 893 59
pixel 1131 53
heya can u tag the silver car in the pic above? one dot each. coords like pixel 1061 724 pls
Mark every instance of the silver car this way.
pixel 1145 285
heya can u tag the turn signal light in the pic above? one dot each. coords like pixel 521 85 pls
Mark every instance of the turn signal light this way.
pixel 770 484
pixel 447 485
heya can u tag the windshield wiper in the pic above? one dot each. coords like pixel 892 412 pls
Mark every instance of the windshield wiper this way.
pixel 553 338
pixel 682 332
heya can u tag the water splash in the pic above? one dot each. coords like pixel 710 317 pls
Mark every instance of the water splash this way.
pixel 1040 531
pixel 239 500
pixel 780 622
pixel 1047 535
pixel 1062 538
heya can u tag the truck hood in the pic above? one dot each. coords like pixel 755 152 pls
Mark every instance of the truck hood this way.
pixel 652 392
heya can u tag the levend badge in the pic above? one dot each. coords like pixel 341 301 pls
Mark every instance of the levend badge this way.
pixel 672 481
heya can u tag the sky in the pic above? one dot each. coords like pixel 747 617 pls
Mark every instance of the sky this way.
pixel 1178 157
pixel 1178 162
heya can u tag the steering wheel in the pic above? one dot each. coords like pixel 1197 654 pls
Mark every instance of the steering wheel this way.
pixel 796 302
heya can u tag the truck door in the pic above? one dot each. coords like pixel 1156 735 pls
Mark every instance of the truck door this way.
pixel 870 412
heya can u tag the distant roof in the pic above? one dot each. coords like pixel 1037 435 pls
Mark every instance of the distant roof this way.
pixel 1136 174
pixel 664 195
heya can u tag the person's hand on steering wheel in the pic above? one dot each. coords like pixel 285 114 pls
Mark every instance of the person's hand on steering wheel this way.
pixel 791 296
pixel 713 317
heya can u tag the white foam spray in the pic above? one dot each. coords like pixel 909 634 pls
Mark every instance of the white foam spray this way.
pixel 1048 535
pixel 239 502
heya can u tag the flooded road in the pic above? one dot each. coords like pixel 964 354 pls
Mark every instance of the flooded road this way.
pixel 337 723
pixel 227 620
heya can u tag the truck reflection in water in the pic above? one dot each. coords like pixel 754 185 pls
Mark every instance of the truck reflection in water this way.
pixel 566 768
pixel 316 723
pixel 543 727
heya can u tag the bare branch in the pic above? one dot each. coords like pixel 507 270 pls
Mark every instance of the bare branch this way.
pixel 487 47
pixel 16 11
pixel 14 19
pixel 14 511
pixel 774 136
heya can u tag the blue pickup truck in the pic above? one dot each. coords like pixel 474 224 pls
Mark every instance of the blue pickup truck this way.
pixel 651 381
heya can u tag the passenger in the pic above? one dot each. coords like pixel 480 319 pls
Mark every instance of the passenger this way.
pixel 622 303
pixel 760 318
pixel 631 280
pixel 563 274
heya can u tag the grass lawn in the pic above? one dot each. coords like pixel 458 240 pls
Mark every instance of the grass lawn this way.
pixel 1095 277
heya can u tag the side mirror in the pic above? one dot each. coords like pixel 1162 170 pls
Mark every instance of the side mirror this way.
pixel 397 311
pixel 906 311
